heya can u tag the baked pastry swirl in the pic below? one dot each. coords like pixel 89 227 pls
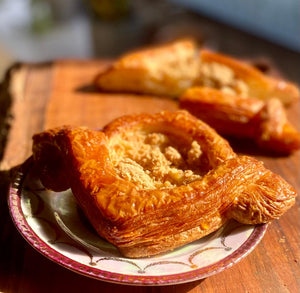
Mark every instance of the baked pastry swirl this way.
pixel 149 183
pixel 263 121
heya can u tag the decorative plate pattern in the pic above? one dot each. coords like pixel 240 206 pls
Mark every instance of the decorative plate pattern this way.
pixel 54 225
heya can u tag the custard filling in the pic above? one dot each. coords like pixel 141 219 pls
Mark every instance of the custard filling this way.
pixel 156 160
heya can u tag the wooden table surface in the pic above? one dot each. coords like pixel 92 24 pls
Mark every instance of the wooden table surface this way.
pixel 52 94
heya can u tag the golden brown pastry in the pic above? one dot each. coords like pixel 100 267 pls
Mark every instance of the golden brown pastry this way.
pixel 152 182
pixel 169 69
pixel 263 121
pixel 235 77
pixel 164 70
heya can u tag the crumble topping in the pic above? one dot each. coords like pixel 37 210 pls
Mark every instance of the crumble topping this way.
pixel 156 160
pixel 221 77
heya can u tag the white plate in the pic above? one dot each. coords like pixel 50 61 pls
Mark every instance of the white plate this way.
pixel 54 225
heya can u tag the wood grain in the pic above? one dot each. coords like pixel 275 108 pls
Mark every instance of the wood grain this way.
pixel 53 94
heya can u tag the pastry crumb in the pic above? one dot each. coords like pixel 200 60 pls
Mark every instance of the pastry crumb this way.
pixel 219 76
pixel 156 160
pixel 282 240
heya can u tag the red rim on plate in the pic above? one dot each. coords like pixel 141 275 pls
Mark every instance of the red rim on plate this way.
pixel 141 277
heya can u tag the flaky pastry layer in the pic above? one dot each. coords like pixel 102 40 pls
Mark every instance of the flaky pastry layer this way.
pixel 235 77
pixel 164 70
pixel 141 218
pixel 170 69
pixel 263 121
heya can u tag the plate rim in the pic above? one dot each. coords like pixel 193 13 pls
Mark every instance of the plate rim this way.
pixel 24 228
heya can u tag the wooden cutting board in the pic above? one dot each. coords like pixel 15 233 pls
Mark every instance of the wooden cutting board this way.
pixel 57 93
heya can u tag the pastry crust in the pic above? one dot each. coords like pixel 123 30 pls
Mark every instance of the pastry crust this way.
pixel 144 219
pixel 263 121
pixel 169 69
pixel 236 77
pixel 165 70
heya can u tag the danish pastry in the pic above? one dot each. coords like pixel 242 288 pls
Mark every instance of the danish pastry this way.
pixel 164 70
pixel 170 69
pixel 149 183
pixel 235 77
pixel 263 121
